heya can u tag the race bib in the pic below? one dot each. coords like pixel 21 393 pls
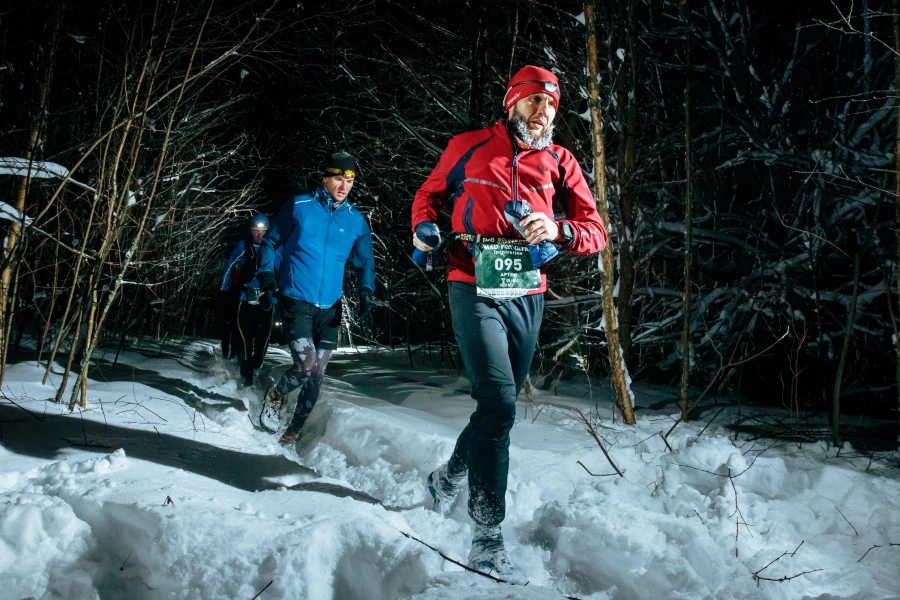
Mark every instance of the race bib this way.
pixel 504 271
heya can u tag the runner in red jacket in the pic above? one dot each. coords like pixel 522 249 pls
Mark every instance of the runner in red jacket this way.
pixel 492 178
pixel 481 170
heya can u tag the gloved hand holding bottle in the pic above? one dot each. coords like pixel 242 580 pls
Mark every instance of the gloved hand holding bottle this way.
pixel 542 252
pixel 428 235
pixel 266 281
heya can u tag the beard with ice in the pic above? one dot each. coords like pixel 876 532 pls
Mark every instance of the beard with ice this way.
pixel 537 140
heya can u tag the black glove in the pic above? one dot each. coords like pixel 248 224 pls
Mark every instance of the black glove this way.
pixel 365 301
pixel 266 281
pixel 265 300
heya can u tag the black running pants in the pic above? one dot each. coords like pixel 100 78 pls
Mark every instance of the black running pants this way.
pixel 497 340
pixel 254 325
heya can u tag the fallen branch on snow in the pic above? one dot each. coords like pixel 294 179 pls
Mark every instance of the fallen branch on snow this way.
pixel 759 578
pixel 589 427
pixel 873 547
pixel 595 474
pixel 262 590
pixel 456 562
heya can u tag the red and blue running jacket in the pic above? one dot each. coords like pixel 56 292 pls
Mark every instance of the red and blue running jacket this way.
pixel 481 170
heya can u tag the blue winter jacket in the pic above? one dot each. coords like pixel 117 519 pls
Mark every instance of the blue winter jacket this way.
pixel 238 260
pixel 317 241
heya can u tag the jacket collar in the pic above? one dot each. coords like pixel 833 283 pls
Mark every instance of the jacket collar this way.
pixel 501 129
pixel 327 201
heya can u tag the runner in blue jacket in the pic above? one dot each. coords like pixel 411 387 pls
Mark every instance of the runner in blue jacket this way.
pixel 318 233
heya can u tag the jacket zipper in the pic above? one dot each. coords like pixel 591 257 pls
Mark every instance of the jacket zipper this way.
pixel 324 254
pixel 515 169
pixel 515 174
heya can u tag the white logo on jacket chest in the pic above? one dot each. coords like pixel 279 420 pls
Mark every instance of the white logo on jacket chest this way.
pixel 341 230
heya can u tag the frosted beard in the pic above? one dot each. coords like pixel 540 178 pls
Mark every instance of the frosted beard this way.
pixel 537 140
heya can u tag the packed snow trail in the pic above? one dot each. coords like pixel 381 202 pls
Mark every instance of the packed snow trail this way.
pixel 163 489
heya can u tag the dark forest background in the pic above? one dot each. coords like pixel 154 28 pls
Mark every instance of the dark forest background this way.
pixel 177 120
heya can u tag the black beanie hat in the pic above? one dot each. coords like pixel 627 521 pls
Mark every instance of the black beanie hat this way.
pixel 340 164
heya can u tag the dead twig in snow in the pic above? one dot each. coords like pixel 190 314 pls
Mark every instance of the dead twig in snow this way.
pixel 705 426
pixel 665 441
pixel 86 445
pixel 848 521
pixel 739 520
pixel 13 402
pixel 262 590
pixel 455 562
pixel 590 429
pixel 466 567
pixel 759 578
pixel 594 474
pixel 876 546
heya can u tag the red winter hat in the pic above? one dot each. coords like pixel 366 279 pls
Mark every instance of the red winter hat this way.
pixel 530 80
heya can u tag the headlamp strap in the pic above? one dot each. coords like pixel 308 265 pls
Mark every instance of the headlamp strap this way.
pixel 335 172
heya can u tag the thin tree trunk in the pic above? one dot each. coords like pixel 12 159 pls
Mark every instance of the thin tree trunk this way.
pixel 10 314
pixel 512 52
pixel 896 18
pixel 92 326
pixel 49 318
pixel 627 183
pixel 126 327
pixel 72 349
pixel 112 209
pixel 616 361
pixel 848 329
pixel 15 228
pixel 479 53
pixel 688 232
pixel 116 203
pixel 63 322
pixel 131 255
pixel 820 330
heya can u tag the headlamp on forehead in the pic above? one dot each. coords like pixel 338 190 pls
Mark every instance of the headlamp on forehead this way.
pixel 549 86
pixel 333 172
pixel 259 222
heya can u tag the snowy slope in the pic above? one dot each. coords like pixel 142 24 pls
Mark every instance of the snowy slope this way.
pixel 163 489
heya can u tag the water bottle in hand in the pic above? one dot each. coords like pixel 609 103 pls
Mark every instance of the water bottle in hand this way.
pixel 542 252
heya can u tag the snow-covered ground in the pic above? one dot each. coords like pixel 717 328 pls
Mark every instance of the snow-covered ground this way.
pixel 162 488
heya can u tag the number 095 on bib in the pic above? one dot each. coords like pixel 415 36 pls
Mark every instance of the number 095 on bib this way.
pixel 504 271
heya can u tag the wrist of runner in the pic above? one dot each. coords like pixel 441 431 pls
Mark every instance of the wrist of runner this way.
pixel 565 234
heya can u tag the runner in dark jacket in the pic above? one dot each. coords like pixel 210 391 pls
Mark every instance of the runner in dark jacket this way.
pixel 319 233
pixel 253 313
pixel 492 178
